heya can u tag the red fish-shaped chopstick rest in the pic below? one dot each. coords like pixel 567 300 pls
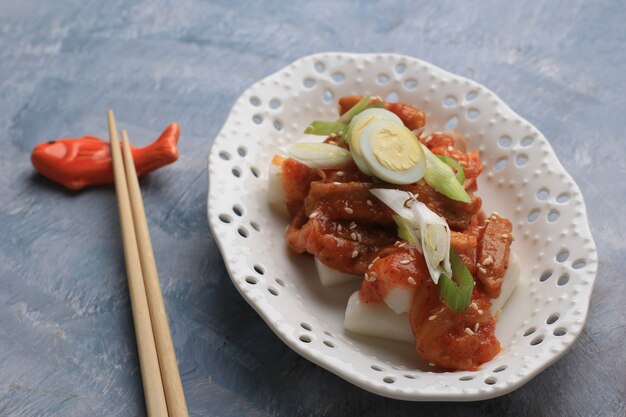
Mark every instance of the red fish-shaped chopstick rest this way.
pixel 86 161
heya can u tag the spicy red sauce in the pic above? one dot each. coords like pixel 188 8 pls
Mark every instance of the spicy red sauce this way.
pixel 337 219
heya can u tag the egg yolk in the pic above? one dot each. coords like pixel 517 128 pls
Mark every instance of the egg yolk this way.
pixel 395 149
pixel 357 129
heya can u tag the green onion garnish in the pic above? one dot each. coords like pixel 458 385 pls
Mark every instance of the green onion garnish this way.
pixel 452 163
pixel 319 155
pixel 407 230
pixel 442 178
pixel 340 127
pixel 456 292
pixel 323 128
pixel 364 103
pixel 421 227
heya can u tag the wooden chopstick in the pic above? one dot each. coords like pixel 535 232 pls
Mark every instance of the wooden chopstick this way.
pixel 148 361
pixel 172 385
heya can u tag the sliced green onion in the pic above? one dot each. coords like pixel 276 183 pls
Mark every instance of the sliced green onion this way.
pixel 435 238
pixel 441 177
pixel 422 228
pixel 456 292
pixel 407 230
pixel 319 155
pixel 452 163
pixel 364 103
pixel 340 127
pixel 322 128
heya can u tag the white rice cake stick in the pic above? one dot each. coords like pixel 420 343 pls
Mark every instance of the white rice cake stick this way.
pixel 330 277
pixel 509 283
pixel 376 319
pixel 275 189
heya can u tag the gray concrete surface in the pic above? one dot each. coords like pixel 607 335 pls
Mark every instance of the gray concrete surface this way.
pixel 66 339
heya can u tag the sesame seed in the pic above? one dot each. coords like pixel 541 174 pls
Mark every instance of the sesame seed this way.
pixel 474 305
pixel 401 245
pixel 348 210
pixel 333 135
pixel 431 364
pixel 370 278
pixel 396 243
pixel 488 260
pixel 504 236
pixel 339 173
pixel 480 312
pixel 482 270
pixel 411 281
pixel 355 254
pixel 405 262
pixel 476 327
pixel 352 225
pixel 450 148
pixel 375 259
pixel 433 317
pixel 358 237
pixel 469 331
pixel 331 142
pixel 369 203
pixel 339 228
pixel 374 274
pixel 495 213
pixel 314 214
pixel 336 183
pixel 353 236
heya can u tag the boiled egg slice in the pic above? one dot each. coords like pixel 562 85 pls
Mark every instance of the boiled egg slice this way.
pixel 358 123
pixel 392 152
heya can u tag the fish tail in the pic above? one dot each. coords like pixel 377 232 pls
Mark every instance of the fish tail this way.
pixel 162 151
pixel 166 145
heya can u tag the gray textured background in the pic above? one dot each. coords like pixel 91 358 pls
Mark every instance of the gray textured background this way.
pixel 66 340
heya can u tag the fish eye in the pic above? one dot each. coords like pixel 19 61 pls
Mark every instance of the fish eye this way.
pixel 52 142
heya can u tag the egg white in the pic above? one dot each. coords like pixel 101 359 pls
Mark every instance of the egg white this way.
pixel 358 123
pixel 408 176
pixel 361 120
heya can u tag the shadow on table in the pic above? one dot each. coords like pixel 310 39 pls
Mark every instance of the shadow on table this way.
pixel 42 183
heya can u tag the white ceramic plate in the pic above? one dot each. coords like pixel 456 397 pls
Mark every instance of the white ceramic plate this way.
pixel 523 180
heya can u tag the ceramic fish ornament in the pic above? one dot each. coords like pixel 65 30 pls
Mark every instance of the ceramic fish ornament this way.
pixel 86 161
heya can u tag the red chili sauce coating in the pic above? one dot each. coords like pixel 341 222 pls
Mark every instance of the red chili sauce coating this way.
pixel 337 219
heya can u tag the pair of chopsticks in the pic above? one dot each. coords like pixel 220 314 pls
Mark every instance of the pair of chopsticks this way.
pixel 162 386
